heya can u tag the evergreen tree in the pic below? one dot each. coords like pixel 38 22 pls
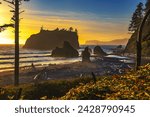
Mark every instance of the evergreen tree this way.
pixel 136 18
pixel 147 5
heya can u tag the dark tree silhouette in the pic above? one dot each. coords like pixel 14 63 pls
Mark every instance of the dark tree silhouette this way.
pixel 93 77
pixel 3 27
pixel 136 18
pixel 147 5
pixel 76 30
pixel 14 5
pixel 70 29
pixel 138 42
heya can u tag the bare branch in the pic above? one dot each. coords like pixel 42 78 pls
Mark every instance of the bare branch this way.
pixel 10 2
pixel 11 7
pixel 2 28
pixel 7 25
pixel 22 11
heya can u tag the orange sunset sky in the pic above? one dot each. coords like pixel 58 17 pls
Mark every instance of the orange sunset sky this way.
pixel 91 25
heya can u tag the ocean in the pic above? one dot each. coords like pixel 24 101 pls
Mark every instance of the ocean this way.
pixel 37 57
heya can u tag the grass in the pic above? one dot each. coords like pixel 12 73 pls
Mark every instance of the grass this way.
pixel 130 86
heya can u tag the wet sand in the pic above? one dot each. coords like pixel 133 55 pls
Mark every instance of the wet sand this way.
pixel 74 70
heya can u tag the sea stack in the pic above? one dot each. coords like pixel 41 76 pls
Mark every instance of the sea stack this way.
pixel 48 40
pixel 66 51
pixel 99 51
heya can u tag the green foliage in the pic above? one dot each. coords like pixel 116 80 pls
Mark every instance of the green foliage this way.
pixel 147 5
pixel 136 18
pixel 45 90
pixel 52 89
pixel 135 22
pixel 133 85
pixel 7 94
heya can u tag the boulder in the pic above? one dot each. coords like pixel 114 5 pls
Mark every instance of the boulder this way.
pixel 119 47
pixel 118 50
pixel 86 55
pixel 66 51
pixel 99 51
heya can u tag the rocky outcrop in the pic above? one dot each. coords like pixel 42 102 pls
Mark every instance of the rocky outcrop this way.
pixel 86 55
pixel 131 45
pixel 118 50
pixel 99 51
pixel 48 40
pixel 119 47
pixel 66 51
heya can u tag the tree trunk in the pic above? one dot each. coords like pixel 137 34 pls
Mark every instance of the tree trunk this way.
pixel 16 74
pixel 139 43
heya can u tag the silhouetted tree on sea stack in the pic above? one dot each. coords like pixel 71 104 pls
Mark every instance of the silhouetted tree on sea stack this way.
pixel 70 29
pixel 76 31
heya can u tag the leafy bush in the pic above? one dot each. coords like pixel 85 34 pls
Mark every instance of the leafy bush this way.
pixel 133 85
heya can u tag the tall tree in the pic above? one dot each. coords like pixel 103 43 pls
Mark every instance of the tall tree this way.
pixel 138 41
pixel 145 20
pixel 136 18
pixel 147 5
pixel 14 5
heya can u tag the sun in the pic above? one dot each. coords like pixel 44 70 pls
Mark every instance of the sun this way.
pixel 6 41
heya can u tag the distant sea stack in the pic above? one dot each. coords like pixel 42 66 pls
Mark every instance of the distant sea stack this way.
pixel 48 40
pixel 99 51
pixel 113 42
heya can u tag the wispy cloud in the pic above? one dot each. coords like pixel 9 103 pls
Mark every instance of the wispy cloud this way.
pixel 89 25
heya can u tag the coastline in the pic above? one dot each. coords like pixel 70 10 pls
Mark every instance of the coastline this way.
pixel 99 67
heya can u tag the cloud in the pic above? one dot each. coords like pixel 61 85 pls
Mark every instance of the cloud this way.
pixel 89 25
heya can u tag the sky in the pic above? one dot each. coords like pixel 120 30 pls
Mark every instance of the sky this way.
pixel 102 20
